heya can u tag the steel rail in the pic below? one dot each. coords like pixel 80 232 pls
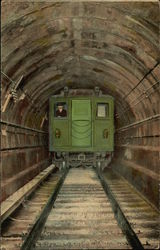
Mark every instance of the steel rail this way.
pixel 123 223
pixel 29 241
pixel 119 215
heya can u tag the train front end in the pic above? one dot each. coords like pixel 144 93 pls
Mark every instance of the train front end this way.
pixel 81 130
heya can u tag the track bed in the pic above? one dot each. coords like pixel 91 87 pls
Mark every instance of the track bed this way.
pixel 82 217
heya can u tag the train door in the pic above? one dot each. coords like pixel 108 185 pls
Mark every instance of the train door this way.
pixel 59 124
pixel 103 125
pixel 81 123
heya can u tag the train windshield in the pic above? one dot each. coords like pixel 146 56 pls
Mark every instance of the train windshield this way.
pixel 60 109
pixel 102 110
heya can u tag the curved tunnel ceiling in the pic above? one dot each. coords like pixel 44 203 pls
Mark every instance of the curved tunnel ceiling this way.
pixel 113 45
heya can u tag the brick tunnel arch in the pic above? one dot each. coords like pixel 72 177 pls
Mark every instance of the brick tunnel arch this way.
pixel 48 45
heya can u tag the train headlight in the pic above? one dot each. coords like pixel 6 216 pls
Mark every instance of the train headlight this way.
pixel 105 133
pixel 57 133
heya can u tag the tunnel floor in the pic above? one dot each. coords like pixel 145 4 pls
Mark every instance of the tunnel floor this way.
pixel 83 216
pixel 141 215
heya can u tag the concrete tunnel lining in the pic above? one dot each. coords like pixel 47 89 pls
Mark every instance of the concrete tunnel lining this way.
pixel 113 45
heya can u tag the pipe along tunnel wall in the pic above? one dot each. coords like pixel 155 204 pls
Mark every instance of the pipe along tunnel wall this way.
pixel 48 45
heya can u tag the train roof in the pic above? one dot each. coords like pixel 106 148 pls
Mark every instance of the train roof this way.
pixel 82 92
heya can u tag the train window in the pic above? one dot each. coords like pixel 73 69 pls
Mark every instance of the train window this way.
pixel 102 110
pixel 60 109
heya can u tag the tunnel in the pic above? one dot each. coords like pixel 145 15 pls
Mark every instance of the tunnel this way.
pixel 47 45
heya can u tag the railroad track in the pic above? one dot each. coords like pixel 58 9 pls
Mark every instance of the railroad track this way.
pixel 80 212
pixel 15 228
pixel 80 218
pixel 142 216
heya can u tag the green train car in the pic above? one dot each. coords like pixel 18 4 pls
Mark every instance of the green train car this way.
pixel 81 128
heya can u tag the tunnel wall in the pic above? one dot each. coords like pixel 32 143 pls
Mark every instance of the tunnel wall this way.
pixel 137 145
pixel 137 159
pixel 110 44
pixel 24 155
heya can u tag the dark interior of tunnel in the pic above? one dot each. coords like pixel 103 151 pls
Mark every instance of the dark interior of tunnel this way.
pixel 49 45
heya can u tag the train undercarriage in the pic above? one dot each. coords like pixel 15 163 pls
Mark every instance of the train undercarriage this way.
pixel 77 159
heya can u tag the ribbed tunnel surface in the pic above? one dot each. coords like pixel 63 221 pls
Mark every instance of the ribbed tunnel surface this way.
pixel 47 45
